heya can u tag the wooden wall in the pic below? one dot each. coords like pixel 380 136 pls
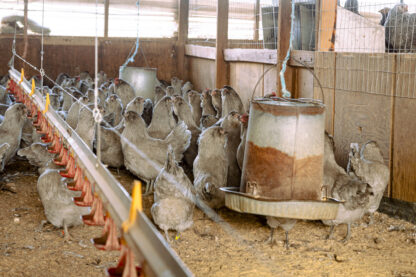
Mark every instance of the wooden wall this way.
pixel 245 75
pixel 75 54
pixel 372 97
pixel 201 73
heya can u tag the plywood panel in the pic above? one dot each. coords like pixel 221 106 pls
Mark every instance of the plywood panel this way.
pixel 243 78
pixel 360 118
pixel 304 83
pixel 269 79
pixel 363 102
pixel 201 73
pixel 404 150
pixel 325 89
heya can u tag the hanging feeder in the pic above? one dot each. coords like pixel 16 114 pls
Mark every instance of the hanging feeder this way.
pixel 282 172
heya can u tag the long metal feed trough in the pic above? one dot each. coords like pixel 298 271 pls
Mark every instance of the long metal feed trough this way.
pixel 142 238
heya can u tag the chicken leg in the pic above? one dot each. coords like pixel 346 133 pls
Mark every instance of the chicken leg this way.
pixel 348 236
pixel 271 239
pixel 67 236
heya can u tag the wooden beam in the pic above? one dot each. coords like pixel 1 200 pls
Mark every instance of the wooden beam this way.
pixel 327 23
pixel 266 56
pixel 106 15
pixel 257 22
pixel 204 52
pixel 182 37
pixel 283 40
pixel 221 66
pixel 302 58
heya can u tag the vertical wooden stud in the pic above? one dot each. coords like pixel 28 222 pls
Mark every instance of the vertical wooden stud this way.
pixel 283 40
pixel 222 70
pixel 183 23
pixel 257 21
pixel 327 23
pixel 106 15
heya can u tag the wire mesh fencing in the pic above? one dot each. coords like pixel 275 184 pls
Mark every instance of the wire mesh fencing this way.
pixel 202 20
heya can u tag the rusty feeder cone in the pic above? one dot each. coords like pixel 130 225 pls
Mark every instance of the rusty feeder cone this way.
pixel 282 171
pixel 283 158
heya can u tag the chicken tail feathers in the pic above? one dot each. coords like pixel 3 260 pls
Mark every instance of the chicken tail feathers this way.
pixel 179 139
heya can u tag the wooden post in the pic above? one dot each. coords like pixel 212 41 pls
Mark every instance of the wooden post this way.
pixel 283 40
pixel 221 72
pixel 106 14
pixel 257 22
pixel 182 37
pixel 317 22
pixel 327 24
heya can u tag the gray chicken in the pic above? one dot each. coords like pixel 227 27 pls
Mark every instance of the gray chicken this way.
pixel 243 136
pixel 73 113
pixel 170 91
pixel 177 86
pixel 159 94
pixel 231 126
pixel 341 186
pixel 136 105
pixel 11 130
pixel 57 201
pixel 85 127
pixel 163 121
pixel 111 151
pixel 3 150
pixel 208 121
pixel 331 168
pixel 231 101
pixel 114 110
pixel 206 104
pixel 384 12
pixel 174 198
pixel 400 31
pixel 183 111
pixel 217 102
pixel 194 99
pixel 69 97
pixel 186 87
pixel 144 155
pixel 368 165
pixel 356 195
pixel 147 114
pixel 4 96
pixel 352 5
pixel 37 154
pixel 211 167
pixel 125 91
pixel 61 78
pixel 285 223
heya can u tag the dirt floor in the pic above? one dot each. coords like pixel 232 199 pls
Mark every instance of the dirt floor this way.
pixel 235 246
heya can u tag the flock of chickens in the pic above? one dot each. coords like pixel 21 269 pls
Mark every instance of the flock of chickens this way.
pixel 184 144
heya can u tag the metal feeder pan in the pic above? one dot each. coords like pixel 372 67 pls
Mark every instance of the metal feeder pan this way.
pixel 309 210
